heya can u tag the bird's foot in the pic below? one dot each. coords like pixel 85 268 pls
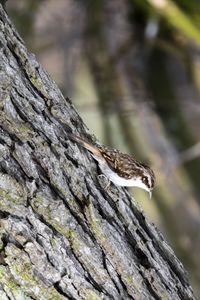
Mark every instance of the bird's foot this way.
pixel 104 181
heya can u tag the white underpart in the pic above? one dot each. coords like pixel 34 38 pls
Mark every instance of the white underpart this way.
pixel 118 180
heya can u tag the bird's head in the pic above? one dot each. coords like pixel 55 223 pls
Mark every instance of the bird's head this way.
pixel 148 180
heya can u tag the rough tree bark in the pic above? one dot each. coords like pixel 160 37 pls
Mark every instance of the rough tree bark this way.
pixel 62 235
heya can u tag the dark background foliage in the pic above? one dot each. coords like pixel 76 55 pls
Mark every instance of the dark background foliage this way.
pixel 131 68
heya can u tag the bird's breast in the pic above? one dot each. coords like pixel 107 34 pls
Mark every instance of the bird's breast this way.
pixel 118 180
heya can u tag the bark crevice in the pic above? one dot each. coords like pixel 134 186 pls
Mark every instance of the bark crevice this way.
pixel 63 235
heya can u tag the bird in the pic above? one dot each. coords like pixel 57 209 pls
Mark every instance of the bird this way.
pixel 120 168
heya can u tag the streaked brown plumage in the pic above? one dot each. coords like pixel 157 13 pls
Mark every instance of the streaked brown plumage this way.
pixel 122 169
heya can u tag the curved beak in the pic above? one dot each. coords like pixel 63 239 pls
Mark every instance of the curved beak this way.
pixel 150 194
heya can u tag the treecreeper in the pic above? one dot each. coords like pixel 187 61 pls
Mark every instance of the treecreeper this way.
pixel 120 168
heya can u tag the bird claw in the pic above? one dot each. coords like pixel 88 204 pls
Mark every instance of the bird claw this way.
pixel 104 181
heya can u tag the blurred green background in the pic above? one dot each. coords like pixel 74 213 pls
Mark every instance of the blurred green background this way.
pixel 132 70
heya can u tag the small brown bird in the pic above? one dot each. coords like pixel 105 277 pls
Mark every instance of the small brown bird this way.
pixel 120 168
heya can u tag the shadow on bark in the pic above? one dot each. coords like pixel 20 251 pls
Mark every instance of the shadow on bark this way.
pixel 62 235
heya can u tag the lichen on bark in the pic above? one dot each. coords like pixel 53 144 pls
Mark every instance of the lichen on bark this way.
pixel 63 236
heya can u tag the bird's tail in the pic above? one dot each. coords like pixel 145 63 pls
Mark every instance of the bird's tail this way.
pixel 85 143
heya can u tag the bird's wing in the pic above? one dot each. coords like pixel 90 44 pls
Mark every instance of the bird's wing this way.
pixel 121 163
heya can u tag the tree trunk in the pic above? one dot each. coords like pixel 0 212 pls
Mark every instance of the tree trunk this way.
pixel 63 236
